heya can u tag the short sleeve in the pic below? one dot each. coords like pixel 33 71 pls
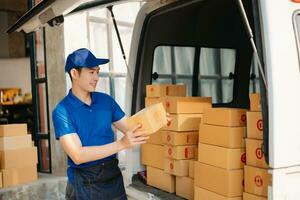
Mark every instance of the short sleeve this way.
pixel 62 122
pixel 117 112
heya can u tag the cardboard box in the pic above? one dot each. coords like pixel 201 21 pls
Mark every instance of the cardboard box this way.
pixel 221 157
pixel 176 167
pixel 196 153
pixel 160 179
pixel 254 125
pixel 248 196
pixel 154 100
pixel 17 158
pixel 180 152
pixel 187 105
pixel 225 117
pixel 162 90
pixel 185 187
pixel 256 180
pixel 254 153
pixel 13 130
pixel 15 142
pixel 180 138
pixel 191 168
pixel 156 138
pixel 151 118
pixel 16 176
pixel 255 102
pixel 184 122
pixel 153 155
pixel 224 182
pixel 229 137
pixel 202 194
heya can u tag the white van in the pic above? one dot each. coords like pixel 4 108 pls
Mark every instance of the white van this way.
pixel 207 45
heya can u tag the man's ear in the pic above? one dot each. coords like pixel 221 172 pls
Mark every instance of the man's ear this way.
pixel 74 73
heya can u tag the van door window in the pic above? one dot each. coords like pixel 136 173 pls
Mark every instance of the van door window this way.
pixel 176 65
pixel 215 68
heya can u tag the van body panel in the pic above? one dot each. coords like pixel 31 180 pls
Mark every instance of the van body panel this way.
pixel 283 77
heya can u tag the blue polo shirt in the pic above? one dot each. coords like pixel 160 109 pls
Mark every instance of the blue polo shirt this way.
pixel 92 123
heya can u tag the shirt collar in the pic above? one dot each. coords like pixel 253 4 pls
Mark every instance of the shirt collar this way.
pixel 76 102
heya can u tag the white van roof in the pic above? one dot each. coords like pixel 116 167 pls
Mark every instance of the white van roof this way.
pixel 52 11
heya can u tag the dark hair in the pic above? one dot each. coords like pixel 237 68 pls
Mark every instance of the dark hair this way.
pixel 78 69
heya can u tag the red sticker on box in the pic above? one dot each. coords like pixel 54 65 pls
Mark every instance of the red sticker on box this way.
pixel 151 89
pixel 186 152
pixel 258 181
pixel 259 153
pixel 243 158
pixel 243 117
pixel 171 166
pixel 169 123
pixel 259 125
pixel 168 138
pixel 168 104
pixel 170 151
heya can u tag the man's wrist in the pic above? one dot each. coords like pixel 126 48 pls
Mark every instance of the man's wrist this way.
pixel 120 145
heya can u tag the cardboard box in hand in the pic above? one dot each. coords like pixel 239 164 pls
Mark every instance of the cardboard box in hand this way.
pixel 151 118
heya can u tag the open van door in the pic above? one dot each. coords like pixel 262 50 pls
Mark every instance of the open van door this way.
pixel 52 12
pixel 201 26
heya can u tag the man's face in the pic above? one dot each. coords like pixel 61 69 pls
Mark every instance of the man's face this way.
pixel 87 79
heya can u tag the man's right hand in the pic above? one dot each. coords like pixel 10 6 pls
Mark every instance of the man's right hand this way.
pixel 134 136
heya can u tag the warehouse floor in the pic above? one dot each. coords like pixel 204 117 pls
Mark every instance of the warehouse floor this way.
pixel 49 187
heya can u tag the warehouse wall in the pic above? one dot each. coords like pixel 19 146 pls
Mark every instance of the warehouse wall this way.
pixel 56 90
pixel 15 72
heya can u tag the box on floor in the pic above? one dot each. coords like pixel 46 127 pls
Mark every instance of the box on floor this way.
pixel 160 179
pixel 185 187
pixel 203 194
pixel 16 176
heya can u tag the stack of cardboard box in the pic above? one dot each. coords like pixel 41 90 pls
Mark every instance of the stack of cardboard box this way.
pixel 153 150
pixel 221 155
pixel 181 138
pixel 18 157
pixel 256 170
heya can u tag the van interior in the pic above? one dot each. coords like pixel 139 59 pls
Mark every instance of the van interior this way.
pixel 205 45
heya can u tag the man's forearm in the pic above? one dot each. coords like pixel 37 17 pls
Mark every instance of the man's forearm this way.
pixel 91 153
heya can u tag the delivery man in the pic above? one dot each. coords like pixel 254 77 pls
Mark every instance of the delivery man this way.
pixel 82 123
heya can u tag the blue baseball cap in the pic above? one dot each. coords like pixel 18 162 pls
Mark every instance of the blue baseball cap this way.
pixel 83 58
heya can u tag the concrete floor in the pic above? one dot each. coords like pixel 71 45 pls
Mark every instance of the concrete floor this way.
pixel 47 187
